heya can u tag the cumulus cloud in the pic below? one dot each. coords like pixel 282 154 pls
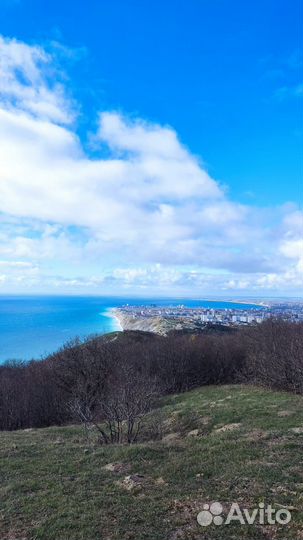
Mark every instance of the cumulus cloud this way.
pixel 150 202
pixel 26 73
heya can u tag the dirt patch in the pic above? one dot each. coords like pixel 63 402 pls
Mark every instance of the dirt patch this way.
pixel 170 438
pixel 15 536
pixel 117 467
pixel 284 414
pixel 160 481
pixel 186 513
pixel 193 433
pixel 297 430
pixel 133 482
pixel 228 427
pixel 186 532
pixel 256 435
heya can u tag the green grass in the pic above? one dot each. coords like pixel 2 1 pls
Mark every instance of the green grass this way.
pixel 54 487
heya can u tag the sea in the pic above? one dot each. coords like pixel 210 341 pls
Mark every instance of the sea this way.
pixel 32 327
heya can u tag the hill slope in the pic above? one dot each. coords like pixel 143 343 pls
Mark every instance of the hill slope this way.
pixel 227 444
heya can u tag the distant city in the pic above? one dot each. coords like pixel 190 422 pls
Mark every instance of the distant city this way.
pixel 200 316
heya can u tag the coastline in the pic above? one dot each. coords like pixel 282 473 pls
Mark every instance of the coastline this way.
pixel 235 301
pixel 41 329
pixel 112 314
pixel 156 325
pixel 260 304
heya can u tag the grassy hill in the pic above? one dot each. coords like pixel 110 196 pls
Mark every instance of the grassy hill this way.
pixel 228 444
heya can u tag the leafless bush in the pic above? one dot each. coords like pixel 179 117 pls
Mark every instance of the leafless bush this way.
pixel 274 355
pixel 119 413
pixel 109 385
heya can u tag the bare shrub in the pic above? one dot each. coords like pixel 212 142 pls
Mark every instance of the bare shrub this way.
pixel 109 384
pixel 275 355
pixel 118 413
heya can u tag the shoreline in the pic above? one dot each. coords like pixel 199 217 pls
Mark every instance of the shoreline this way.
pixel 112 314
pixel 158 324
pixel 242 302
pixel 155 325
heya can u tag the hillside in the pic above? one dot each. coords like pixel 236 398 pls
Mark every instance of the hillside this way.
pixel 226 444
pixel 157 324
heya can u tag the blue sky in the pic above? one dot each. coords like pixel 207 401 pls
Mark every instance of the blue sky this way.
pixel 223 79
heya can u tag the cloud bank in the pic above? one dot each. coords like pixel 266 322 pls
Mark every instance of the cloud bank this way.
pixel 146 217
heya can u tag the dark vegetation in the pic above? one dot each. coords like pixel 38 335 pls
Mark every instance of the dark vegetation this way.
pixel 226 439
pixel 110 383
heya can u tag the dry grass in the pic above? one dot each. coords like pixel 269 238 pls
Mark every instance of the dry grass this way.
pixel 55 486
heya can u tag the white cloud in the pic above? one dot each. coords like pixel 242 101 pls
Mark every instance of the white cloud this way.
pixel 151 201
pixel 292 248
pixel 25 75
pixel 16 273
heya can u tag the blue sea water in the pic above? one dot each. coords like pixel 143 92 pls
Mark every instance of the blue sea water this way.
pixel 33 326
